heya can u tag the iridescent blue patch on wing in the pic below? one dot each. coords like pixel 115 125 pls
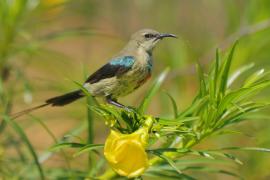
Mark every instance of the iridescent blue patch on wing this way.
pixel 116 67
pixel 149 65
pixel 126 61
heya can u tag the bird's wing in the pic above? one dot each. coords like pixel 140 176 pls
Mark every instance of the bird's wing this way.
pixel 116 67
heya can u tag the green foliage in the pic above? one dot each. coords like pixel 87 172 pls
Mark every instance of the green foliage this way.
pixel 20 131
pixel 216 107
pixel 18 44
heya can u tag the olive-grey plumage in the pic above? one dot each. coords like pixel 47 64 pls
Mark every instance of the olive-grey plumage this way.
pixel 124 73
pixel 134 62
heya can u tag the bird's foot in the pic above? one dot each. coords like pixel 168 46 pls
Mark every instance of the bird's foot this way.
pixel 114 102
pixel 131 109
pixel 117 104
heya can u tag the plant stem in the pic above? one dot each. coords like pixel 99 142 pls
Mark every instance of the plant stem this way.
pixel 108 174
pixel 90 131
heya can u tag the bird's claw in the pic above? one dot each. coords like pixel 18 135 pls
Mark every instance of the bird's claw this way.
pixel 130 109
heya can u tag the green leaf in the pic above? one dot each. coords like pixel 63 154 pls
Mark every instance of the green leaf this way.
pixel 98 167
pixel 167 175
pixel 257 76
pixel 239 72
pixel 66 145
pixel 174 105
pixel 240 94
pixel 202 87
pixel 85 91
pixel 226 131
pixel 236 115
pixel 214 170
pixel 259 149
pixel 31 149
pixel 216 72
pixel 178 121
pixel 204 153
pixel 193 107
pixel 168 160
pixel 225 69
pixel 46 128
pixel 88 147
pixel 201 160
pixel 163 169
pixel 225 155
pixel 155 87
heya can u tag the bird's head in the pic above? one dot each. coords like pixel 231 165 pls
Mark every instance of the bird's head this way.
pixel 148 38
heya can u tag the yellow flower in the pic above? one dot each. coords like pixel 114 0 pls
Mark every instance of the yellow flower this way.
pixel 126 152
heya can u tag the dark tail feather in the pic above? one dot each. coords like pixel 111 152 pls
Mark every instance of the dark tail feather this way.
pixel 16 115
pixel 55 101
pixel 65 99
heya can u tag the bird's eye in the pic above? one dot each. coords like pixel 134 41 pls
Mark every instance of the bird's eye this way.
pixel 148 36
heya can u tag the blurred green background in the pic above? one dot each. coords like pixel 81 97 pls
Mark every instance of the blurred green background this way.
pixel 46 44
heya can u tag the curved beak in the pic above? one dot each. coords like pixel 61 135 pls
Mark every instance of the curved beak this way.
pixel 161 36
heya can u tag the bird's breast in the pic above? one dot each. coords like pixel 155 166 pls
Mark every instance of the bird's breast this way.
pixel 137 76
pixel 140 73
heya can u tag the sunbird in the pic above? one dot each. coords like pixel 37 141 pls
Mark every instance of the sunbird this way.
pixel 124 73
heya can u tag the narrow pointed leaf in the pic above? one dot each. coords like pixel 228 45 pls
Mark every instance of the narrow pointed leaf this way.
pixel 225 71
pixel 239 72
pixel 66 145
pixel 174 105
pixel 155 87
pixel 28 144
pixel 168 160
pixel 202 87
pixel 88 147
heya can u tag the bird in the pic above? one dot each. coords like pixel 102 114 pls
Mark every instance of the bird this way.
pixel 124 73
